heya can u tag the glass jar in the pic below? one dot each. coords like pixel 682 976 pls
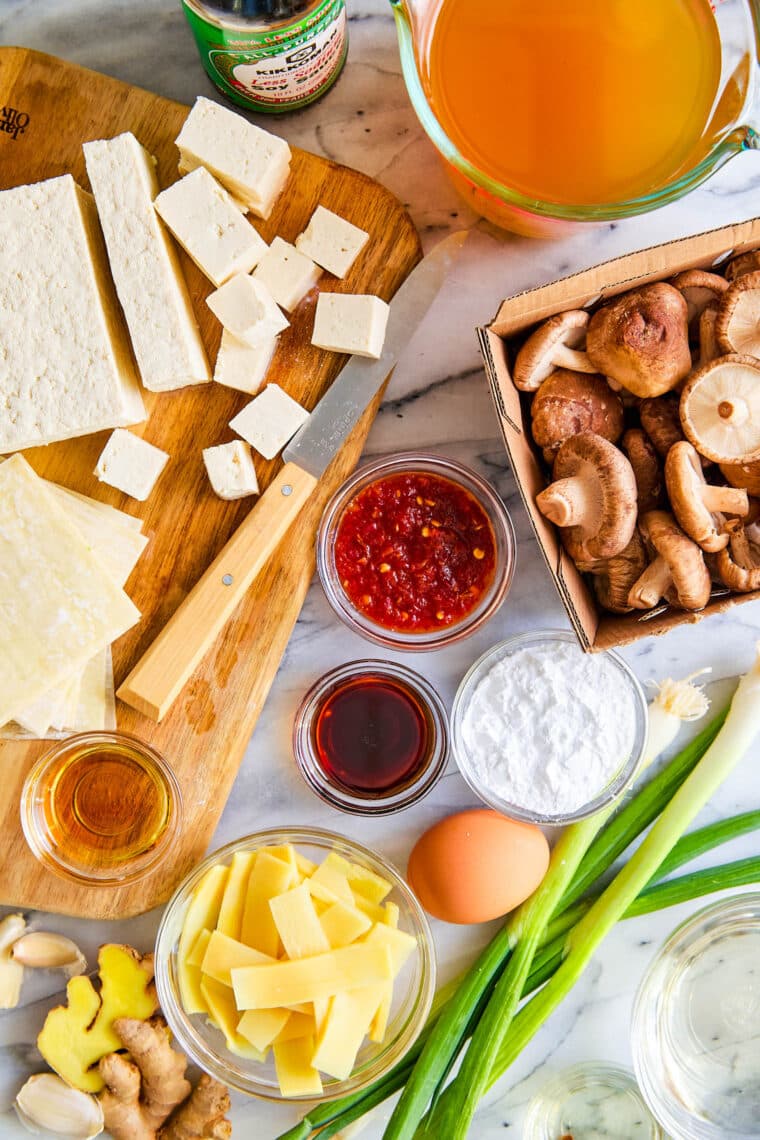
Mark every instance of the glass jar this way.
pixel 270 55
pixel 592 1100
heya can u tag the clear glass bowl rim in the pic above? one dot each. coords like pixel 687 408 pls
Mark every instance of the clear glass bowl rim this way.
pixel 445 468
pixel 391 1053
pixel 671 1115
pixel 736 140
pixel 540 1109
pixel 311 770
pixel 38 840
pixel 616 786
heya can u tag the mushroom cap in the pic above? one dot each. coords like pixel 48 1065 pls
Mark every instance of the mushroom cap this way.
pixel 720 409
pixel 739 562
pixel 743 263
pixel 685 482
pixel 569 403
pixel 746 475
pixel 592 498
pixel 647 469
pixel 534 362
pixel 614 577
pixel 661 420
pixel 700 288
pixel 641 339
pixel 691 583
pixel 737 326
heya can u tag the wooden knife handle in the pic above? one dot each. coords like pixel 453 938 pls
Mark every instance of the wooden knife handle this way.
pixel 167 665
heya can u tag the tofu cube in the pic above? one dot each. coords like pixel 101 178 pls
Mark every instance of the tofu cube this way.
pixel 248 161
pixel 331 241
pixel 203 219
pixel 130 464
pixel 287 274
pixel 230 470
pixel 247 310
pixel 269 421
pixel 240 366
pixel 351 322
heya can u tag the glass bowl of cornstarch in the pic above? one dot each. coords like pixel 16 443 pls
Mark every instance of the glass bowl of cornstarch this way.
pixel 546 733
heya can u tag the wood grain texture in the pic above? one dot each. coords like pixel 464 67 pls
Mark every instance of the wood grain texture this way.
pixel 205 733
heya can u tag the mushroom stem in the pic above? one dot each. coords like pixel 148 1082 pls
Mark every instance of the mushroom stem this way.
pixel 653 585
pixel 566 502
pixel 741 551
pixel 564 357
pixel 728 500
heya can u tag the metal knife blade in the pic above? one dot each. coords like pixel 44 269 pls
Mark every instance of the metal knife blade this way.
pixel 339 410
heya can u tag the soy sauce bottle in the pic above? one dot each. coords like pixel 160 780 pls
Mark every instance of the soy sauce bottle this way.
pixel 270 55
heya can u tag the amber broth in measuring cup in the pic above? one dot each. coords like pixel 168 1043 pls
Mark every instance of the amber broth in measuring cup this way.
pixel 575 101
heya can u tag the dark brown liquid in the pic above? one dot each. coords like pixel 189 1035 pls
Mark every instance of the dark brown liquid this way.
pixel 105 803
pixel 373 735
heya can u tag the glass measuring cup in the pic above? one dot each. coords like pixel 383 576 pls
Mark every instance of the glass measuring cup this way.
pixel 731 128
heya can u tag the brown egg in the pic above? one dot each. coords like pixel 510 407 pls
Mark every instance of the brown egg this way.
pixel 477 865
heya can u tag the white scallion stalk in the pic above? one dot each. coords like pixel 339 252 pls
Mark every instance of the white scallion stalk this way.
pixel 739 730
pixel 676 702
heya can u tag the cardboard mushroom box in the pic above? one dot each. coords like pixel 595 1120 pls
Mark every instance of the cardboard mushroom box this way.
pixel 629 401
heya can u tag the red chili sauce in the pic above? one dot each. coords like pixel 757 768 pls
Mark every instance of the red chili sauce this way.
pixel 415 552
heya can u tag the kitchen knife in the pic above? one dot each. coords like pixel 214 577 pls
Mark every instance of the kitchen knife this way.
pixel 168 663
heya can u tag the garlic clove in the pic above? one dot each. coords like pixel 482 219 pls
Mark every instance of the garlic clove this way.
pixel 11 973
pixel 47 1104
pixel 42 950
pixel 11 929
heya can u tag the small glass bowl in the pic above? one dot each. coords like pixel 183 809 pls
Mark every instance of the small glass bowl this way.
pixel 592 1098
pixel 383 802
pixel 405 463
pixel 39 808
pixel 412 996
pixel 469 683
pixel 695 1025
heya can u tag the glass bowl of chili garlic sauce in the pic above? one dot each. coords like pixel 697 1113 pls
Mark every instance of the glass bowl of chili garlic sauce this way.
pixel 415 551
pixel 371 737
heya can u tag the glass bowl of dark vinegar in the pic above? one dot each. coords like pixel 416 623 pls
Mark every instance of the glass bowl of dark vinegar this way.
pixel 371 737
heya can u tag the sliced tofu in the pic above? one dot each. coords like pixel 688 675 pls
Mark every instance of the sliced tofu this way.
pixel 130 464
pixel 287 274
pixel 145 266
pixel 269 421
pixel 199 213
pixel 351 322
pixel 247 310
pixel 251 163
pixel 230 470
pixel 240 366
pixel 331 241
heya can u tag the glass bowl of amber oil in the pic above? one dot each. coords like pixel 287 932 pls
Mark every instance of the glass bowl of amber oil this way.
pixel 102 808
pixel 371 737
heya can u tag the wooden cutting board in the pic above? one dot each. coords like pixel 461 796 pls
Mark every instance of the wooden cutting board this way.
pixel 48 108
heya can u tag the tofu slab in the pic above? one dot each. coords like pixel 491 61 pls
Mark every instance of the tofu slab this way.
pixel 145 266
pixel 240 366
pixel 66 367
pixel 200 214
pixel 130 464
pixel 331 241
pixel 351 322
pixel 287 274
pixel 58 605
pixel 270 421
pixel 247 309
pixel 230 470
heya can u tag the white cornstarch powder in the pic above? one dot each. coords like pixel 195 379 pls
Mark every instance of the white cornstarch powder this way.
pixel 547 728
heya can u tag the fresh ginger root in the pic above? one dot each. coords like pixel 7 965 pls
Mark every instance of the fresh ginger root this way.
pixel 75 1036
pixel 142 1092
pixel 202 1116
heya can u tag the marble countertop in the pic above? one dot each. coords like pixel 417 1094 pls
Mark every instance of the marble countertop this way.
pixel 438 400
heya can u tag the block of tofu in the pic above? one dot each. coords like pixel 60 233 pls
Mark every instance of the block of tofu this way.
pixel 240 366
pixel 331 241
pixel 66 367
pixel 145 266
pixel 247 310
pixel 287 274
pixel 269 421
pixel 230 470
pixel 130 464
pixel 249 162
pixel 59 606
pixel 350 322
pixel 199 213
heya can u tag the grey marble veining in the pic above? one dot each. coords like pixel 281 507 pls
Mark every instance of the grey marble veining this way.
pixel 438 400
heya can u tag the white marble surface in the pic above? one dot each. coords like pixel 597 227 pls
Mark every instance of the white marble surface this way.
pixel 439 400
